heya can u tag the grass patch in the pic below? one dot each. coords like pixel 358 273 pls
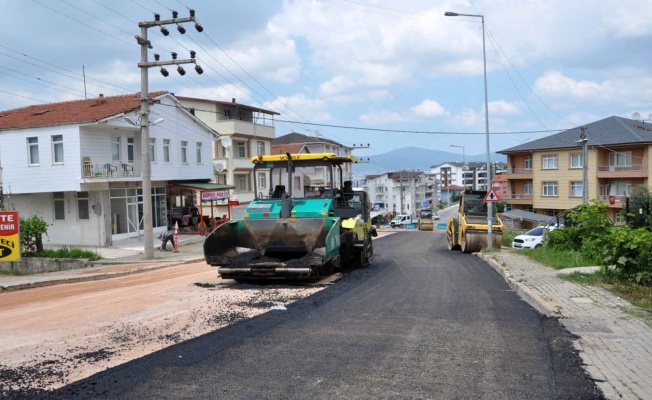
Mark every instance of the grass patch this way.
pixel 9 273
pixel 508 237
pixel 558 259
pixel 639 296
pixel 67 253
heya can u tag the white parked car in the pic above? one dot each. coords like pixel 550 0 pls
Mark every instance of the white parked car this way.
pixel 532 238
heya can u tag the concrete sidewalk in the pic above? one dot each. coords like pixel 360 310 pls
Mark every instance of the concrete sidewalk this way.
pixel 615 337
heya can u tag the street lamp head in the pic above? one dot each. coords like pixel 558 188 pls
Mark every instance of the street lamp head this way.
pixel 451 14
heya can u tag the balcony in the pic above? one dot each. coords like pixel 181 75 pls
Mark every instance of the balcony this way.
pixel 618 201
pixel 519 173
pixel 517 198
pixel 109 170
pixel 622 171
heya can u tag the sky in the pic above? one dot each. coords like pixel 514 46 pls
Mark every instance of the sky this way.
pixel 376 73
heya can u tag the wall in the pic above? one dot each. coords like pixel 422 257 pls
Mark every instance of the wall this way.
pixel 563 175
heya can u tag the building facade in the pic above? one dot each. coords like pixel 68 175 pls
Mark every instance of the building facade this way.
pixel 401 192
pixel 246 132
pixel 547 175
pixel 78 165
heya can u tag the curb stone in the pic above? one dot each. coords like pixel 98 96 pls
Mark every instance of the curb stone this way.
pixel 545 307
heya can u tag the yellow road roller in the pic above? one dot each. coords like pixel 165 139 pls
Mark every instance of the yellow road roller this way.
pixel 469 231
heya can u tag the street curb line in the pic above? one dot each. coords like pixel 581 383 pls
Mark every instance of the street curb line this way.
pixel 88 278
pixel 537 302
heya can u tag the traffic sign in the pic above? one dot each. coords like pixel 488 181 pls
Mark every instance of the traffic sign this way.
pixel 491 196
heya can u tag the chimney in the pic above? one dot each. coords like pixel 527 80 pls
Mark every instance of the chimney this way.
pixel 100 100
pixel 233 100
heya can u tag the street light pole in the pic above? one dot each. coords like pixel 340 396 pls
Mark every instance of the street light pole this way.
pixel 463 153
pixel 486 116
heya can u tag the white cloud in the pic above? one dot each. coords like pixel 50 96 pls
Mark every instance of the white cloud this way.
pixel 381 117
pixel 299 107
pixel 219 93
pixel 429 108
pixel 502 107
pixel 468 117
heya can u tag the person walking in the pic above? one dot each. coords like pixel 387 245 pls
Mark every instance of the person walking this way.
pixel 166 237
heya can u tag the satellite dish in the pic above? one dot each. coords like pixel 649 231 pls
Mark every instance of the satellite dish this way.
pixel 227 142
pixel 636 115
pixel 219 167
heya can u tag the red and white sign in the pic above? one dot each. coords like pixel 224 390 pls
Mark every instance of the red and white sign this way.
pixel 215 195
pixel 9 236
pixel 491 196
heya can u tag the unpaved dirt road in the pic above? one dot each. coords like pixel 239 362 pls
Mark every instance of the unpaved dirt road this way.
pixel 55 335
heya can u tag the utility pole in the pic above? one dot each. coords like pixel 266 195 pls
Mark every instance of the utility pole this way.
pixel 584 140
pixel 401 178
pixel 144 65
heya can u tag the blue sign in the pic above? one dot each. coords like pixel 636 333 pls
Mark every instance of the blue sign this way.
pixel 441 226
pixel 425 204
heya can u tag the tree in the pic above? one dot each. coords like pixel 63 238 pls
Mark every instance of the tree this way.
pixel 31 233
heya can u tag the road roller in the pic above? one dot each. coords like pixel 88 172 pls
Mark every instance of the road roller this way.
pixel 469 231
pixel 426 222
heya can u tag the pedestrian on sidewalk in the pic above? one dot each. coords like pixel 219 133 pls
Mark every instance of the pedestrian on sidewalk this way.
pixel 165 238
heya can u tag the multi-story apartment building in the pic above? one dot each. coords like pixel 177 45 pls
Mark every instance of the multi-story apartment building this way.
pixel 300 143
pixel 246 131
pixel 401 192
pixel 546 175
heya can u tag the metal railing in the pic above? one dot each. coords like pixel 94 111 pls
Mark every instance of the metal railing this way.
pixel 107 170
pixel 518 170
pixel 615 168
pixel 517 196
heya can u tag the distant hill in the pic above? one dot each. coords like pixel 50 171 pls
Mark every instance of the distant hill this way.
pixel 415 158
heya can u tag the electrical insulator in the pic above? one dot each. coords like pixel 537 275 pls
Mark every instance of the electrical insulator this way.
pixel 157 57
pixel 175 14
pixel 198 27
pixel 181 71
pixel 165 31
pixel 199 69
pixel 174 55
pixel 193 53
pixel 164 72
pixel 181 29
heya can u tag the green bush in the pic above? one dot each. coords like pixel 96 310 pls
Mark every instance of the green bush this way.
pixel 629 250
pixel 583 225
pixel 67 253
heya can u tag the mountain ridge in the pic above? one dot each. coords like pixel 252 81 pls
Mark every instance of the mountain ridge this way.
pixel 415 158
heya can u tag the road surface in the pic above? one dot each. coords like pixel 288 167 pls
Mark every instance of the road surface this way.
pixel 421 322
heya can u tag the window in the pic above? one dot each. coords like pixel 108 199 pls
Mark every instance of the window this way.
pixel 242 149
pixel 198 152
pixel 576 189
pixel 260 146
pixel 241 182
pixel 130 149
pixel 620 188
pixel 577 160
pixel 550 162
pixel 620 159
pixel 227 114
pixel 184 152
pixel 115 148
pixel 32 152
pixel 82 205
pixel 57 149
pixel 152 150
pixel 166 150
pixel 550 188
pixel 59 206
pixel 262 180
pixel 527 188
pixel 297 182
pixel 528 163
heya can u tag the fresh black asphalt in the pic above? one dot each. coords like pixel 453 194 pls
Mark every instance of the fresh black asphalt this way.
pixel 420 322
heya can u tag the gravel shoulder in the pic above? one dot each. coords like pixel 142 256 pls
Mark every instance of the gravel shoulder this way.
pixel 56 335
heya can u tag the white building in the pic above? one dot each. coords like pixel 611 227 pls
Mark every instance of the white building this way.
pixel 77 164
pixel 471 175
pixel 299 143
pixel 401 192
pixel 246 132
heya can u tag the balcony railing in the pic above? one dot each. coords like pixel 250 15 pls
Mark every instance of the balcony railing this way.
pixel 105 170
pixel 607 198
pixel 518 170
pixel 517 196
pixel 633 167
